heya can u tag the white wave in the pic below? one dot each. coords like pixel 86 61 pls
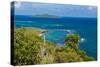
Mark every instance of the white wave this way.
pixel 82 40
pixel 71 31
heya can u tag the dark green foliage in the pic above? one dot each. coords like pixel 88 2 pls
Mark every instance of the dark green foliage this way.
pixel 72 41
pixel 24 47
pixel 29 49
pixel 84 56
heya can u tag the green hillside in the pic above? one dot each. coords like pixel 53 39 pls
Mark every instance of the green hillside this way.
pixel 29 49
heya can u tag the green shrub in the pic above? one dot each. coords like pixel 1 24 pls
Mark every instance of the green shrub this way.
pixel 29 49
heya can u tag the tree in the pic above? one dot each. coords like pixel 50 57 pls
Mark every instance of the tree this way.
pixel 71 41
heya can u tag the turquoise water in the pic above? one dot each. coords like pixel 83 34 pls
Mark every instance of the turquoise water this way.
pixel 58 28
pixel 56 36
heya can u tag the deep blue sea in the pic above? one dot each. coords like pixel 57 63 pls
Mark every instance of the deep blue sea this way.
pixel 59 27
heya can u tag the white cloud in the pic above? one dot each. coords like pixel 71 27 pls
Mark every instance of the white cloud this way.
pixel 17 4
pixel 90 8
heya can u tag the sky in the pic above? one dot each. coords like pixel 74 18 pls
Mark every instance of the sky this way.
pixel 63 10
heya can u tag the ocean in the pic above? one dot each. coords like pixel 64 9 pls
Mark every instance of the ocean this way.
pixel 58 28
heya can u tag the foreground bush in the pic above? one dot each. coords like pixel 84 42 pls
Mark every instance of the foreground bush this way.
pixel 29 49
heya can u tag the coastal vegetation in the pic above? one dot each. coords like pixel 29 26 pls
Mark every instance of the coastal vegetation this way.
pixel 29 48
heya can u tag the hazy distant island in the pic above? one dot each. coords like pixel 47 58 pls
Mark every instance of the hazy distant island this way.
pixel 46 16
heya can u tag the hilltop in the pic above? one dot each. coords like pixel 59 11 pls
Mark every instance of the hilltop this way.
pixel 29 49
